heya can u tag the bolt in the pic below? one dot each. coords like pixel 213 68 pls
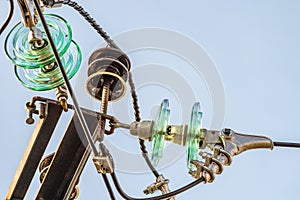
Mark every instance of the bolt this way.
pixel 227 132
pixel 62 96
pixel 103 108
pixel 30 108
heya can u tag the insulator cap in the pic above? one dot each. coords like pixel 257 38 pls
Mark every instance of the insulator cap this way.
pixel 107 65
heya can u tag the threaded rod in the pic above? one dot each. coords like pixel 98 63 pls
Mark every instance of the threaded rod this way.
pixel 103 108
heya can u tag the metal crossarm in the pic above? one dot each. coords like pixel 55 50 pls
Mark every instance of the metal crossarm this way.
pixel 66 159
pixel 34 152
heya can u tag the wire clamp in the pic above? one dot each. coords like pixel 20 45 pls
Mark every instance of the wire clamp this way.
pixel 211 162
pixel 31 109
pixel 202 171
pixel 160 184
pixel 103 161
pixel 236 143
pixel 223 156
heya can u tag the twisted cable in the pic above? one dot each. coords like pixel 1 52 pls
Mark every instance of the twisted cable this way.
pixel 91 21
pixel 138 118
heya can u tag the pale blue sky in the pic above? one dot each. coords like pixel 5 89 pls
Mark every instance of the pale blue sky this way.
pixel 254 46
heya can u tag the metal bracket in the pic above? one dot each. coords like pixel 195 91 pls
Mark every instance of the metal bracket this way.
pixel 34 152
pixel 68 161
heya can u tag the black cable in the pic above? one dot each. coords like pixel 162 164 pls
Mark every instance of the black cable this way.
pixel 9 16
pixel 134 99
pixel 146 157
pixel 164 196
pixel 287 144
pixel 108 186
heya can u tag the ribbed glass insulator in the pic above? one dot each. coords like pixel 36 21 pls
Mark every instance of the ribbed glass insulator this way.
pixel 194 134
pixel 24 54
pixel 49 76
pixel 160 128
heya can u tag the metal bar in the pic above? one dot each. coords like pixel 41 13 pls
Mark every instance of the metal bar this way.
pixel 81 164
pixel 78 111
pixel 67 159
pixel 34 152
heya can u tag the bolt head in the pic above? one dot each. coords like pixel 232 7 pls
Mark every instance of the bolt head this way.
pixel 227 132
pixel 29 120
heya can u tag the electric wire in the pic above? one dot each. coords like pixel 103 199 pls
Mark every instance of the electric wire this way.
pixel 9 16
pixel 92 22
pixel 108 186
pixel 164 196
pixel 67 82
pixel 138 118
pixel 107 38
pixel 287 144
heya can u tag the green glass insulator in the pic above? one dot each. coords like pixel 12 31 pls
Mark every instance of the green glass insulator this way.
pixel 160 127
pixel 49 77
pixel 23 54
pixel 194 134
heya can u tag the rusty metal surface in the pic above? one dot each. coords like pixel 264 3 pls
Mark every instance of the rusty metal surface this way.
pixel 66 159
pixel 34 152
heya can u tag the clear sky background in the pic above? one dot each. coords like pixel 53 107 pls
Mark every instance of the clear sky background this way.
pixel 255 48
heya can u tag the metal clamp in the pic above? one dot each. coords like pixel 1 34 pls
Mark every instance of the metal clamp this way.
pixel 232 142
pixel 103 161
pixel 202 171
pixel 223 156
pixel 213 164
pixel 112 121
pixel 236 143
pixel 160 184
pixel 31 109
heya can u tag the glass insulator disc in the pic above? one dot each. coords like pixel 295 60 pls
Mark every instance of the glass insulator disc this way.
pixel 194 134
pixel 49 77
pixel 23 54
pixel 160 128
